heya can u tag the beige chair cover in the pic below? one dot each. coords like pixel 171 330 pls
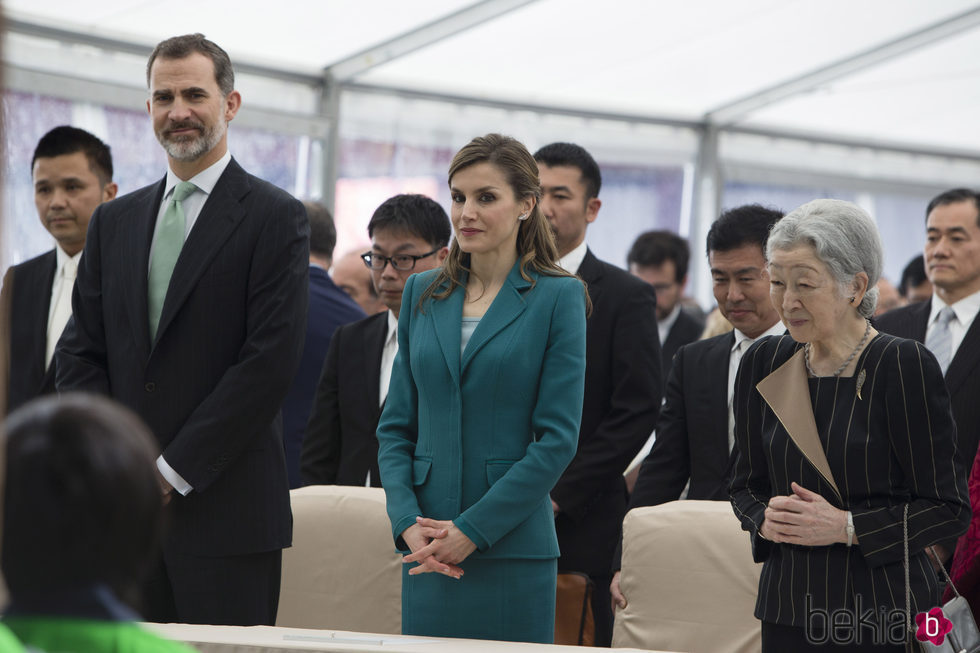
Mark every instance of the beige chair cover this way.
pixel 342 571
pixel 689 579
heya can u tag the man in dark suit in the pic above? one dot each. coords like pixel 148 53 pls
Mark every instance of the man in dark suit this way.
pixel 330 307
pixel 695 429
pixel 409 234
pixel 622 379
pixel 72 171
pixel 952 262
pixel 660 258
pixel 201 338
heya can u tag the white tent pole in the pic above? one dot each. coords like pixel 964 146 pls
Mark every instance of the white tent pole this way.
pixel 737 110
pixel 422 36
pixel 705 207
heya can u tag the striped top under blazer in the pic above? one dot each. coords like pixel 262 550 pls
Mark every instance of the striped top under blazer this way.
pixel 895 444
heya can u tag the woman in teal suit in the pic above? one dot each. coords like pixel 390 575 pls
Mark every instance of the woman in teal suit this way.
pixel 483 410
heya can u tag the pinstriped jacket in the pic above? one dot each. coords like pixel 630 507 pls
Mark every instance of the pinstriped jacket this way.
pixel 888 443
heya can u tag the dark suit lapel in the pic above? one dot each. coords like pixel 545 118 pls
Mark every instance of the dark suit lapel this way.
pixel 41 291
pixel 374 342
pixel 715 374
pixel 920 320
pixel 221 214
pixel 966 358
pixel 506 306
pixel 137 267
pixel 590 271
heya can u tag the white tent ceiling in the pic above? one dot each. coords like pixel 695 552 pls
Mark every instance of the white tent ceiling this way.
pixel 896 71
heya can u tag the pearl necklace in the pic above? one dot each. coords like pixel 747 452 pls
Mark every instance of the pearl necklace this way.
pixel 864 339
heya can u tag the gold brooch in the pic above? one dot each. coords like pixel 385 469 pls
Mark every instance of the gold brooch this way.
pixel 861 378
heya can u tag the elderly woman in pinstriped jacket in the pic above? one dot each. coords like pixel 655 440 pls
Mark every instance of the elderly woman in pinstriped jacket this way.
pixel 839 428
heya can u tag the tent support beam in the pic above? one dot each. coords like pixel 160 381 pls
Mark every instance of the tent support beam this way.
pixel 705 204
pixel 420 37
pixel 738 110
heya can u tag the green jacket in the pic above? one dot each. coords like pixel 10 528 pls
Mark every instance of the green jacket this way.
pixel 59 635
pixel 481 437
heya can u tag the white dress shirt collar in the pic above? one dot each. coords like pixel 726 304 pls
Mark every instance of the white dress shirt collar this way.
pixel 205 180
pixel 573 260
pixel 62 257
pixel 966 309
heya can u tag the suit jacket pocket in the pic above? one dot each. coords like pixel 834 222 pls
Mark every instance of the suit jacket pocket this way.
pixel 420 470
pixel 496 468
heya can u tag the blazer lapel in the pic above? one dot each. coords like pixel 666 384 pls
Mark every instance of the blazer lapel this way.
pixel 788 394
pixel 965 359
pixel 374 343
pixel 717 392
pixel 446 316
pixel 41 288
pixel 140 240
pixel 506 306
pixel 221 214
pixel 590 271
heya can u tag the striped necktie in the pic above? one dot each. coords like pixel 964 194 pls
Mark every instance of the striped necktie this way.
pixel 940 340
pixel 166 249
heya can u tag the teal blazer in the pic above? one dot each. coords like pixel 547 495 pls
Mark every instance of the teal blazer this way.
pixel 481 438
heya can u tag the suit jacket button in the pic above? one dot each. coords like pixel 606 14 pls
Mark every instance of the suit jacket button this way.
pixel 150 387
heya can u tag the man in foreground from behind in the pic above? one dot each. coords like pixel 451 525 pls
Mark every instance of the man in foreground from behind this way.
pixel 81 521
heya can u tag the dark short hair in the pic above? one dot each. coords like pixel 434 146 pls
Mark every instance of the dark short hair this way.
pixel 749 224
pixel 68 140
pixel 82 503
pixel 178 47
pixel 655 247
pixel 323 233
pixel 576 156
pixel 417 215
pixel 954 196
pixel 914 274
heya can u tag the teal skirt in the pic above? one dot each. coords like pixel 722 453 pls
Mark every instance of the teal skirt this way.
pixel 505 599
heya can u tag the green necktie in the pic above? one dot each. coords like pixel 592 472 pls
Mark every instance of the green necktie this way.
pixel 166 249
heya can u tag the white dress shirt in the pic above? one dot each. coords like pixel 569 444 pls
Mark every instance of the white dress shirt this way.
pixel 965 310
pixel 192 205
pixel 388 357
pixel 572 261
pixel 742 343
pixel 59 309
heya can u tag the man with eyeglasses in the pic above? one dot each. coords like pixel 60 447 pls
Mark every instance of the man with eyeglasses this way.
pixel 409 234
pixel 330 307
pixel 660 258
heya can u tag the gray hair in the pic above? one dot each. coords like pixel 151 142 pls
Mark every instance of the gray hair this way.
pixel 843 236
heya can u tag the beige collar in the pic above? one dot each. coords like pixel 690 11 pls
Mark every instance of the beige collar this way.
pixel 788 394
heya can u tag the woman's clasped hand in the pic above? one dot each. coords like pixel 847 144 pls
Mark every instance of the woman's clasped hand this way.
pixel 438 546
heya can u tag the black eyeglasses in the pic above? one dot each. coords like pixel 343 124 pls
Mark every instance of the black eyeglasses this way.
pixel 403 262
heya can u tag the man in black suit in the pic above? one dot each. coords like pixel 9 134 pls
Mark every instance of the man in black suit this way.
pixel 695 431
pixel 330 307
pixel 409 234
pixel 952 262
pixel 201 338
pixel 622 379
pixel 72 171
pixel 660 258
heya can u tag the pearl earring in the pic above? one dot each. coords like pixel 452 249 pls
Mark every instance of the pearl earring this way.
pixel 523 216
